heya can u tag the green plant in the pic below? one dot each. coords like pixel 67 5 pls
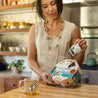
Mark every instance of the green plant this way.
pixel 18 64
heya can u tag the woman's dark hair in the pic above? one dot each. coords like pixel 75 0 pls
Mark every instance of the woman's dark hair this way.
pixel 59 7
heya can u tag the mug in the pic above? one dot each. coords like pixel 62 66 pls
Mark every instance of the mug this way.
pixel 18 49
pixel 24 49
pixel 12 49
pixel 31 86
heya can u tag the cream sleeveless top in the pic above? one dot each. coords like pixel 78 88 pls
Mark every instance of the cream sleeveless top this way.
pixel 48 58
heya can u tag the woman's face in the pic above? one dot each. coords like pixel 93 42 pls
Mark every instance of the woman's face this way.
pixel 49 8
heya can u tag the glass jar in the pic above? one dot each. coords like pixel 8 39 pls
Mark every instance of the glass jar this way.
pixel 9 24
pixel 13 25
pixel 28 25
pixel 22 25
pixel 5 24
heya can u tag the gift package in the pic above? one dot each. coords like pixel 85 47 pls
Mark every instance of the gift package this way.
pixel 66 73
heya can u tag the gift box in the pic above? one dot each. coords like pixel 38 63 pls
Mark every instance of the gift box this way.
pixel 66 73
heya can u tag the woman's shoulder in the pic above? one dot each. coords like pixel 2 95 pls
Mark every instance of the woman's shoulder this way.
pixel 39 23
pixel 69 23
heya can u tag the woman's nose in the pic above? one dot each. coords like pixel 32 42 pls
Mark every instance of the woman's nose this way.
pixel 50 8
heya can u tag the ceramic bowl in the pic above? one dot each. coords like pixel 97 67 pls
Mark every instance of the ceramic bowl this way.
pixel 24 49
pixel 12 49
pixel 18 49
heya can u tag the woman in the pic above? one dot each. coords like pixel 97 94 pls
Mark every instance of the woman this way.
pixel 50 40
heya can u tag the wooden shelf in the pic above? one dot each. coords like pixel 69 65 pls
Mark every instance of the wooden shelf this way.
pixel 15 6
pixel 12 53
pixel 91 26
pixel 15 30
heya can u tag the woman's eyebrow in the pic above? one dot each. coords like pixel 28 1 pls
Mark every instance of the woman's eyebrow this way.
pixel 44 4
pixel 50 2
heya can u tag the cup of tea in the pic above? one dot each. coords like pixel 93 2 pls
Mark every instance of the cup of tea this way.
pixel 31 86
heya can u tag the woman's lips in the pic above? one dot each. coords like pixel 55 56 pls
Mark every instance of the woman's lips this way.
pixel 52 14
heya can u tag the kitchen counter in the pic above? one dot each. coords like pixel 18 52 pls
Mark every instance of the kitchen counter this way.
pixel 9 73
pixel 46 91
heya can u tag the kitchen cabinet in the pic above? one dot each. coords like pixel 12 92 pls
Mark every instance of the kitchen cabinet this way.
pixel 89 77
pixel 1 85
pixel 10 83
pixel 10 80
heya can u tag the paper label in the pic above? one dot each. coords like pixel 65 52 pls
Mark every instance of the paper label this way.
pixel 75 49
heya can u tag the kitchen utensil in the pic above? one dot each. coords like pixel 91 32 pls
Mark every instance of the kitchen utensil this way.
pixel 91 61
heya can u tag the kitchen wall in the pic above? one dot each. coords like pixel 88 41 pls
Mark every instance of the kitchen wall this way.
pixel 84 16
pixel 89 16
pixel 16 39
pixel 71 14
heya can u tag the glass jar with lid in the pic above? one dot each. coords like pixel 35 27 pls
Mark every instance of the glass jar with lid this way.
pixel 13 25
pixel 5 24
pixel 28 25
pixel 22 25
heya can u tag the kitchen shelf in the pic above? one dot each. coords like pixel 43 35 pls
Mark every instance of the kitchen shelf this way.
pixel 15 30
pixel 13 9
pixel 91 26
pixel 84 66
pixel 15 6
pixel 81 4
pixel 12 53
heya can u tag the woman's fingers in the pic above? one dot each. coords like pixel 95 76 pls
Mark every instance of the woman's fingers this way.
pixel 46 79
pixel 50 82
pixel 76 41
pixel 80 41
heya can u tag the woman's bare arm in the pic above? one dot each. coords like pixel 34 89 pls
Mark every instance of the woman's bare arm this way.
pixel 32 51
pixel 76 38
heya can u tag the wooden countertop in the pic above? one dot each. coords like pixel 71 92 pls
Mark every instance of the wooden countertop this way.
pixel 46 91
pixel 9 73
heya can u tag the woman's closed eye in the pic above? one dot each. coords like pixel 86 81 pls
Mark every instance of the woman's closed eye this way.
pixel 44 6
pixel 53 3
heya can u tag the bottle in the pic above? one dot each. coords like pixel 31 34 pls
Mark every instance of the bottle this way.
pixel 75 49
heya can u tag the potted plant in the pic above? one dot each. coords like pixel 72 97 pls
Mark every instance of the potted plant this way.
pixel 17 66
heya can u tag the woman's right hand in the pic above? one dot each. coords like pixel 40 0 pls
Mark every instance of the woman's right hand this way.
pixel 45 77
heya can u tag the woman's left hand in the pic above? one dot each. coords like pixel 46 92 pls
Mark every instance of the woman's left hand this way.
pixel 82 44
